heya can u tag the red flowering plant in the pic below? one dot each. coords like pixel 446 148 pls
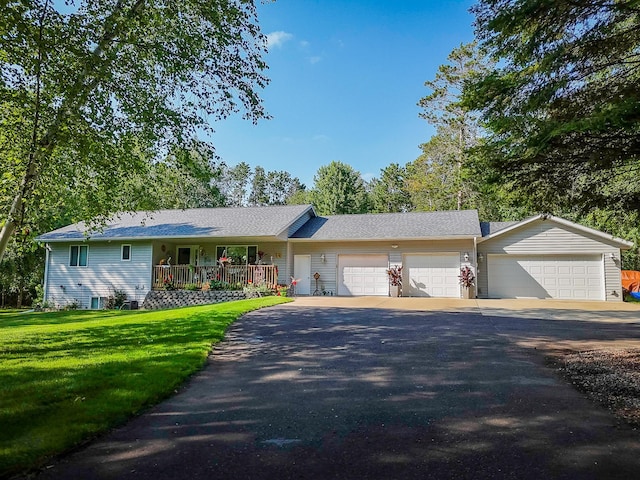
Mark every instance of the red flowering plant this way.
pixel 168 283
pixel 466 277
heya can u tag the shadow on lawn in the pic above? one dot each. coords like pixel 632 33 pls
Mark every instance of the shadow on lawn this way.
pixel 346 393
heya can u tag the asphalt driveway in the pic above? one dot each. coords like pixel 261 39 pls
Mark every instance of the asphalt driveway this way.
pixel 304 392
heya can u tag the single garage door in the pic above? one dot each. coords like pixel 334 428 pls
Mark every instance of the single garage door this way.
pixel 574 277
pixel 427 275
pixel 363 275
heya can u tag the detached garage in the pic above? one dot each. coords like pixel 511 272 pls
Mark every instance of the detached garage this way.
pixel 548 257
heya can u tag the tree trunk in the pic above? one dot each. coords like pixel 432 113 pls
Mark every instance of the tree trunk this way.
pixel 20 296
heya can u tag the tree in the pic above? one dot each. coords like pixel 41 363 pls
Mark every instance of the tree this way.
pixel 83 91
pixel 437 178
pixel 338 189
pixel 389 193
pixel 563 106
pixel 233 184
pixel 258 195
pixel 281 186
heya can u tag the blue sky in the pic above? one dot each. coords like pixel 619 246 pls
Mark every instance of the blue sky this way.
pixel 345 79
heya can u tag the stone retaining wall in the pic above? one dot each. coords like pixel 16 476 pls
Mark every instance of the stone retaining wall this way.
pixel 157 299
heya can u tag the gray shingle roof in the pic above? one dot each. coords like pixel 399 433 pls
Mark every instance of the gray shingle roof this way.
pixel 413 225
pixel 488 228
pixel 190 223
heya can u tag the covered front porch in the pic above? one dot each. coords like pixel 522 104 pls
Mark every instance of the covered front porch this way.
pixel 223 264
pixel 179 277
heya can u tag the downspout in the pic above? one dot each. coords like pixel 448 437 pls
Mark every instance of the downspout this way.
pixel 45 294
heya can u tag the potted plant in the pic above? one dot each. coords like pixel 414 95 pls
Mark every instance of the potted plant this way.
pixel 467 281
pixel 395 280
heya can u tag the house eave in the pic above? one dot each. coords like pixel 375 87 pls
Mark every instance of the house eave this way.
pixel 383 239
pixel 158 238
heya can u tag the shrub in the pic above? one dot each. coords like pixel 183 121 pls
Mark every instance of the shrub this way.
pixel 116 300
pixel 191 287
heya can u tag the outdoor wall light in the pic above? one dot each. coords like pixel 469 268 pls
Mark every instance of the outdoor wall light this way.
pixel 395 245
pixel 466 256
pixel 61 287
pixel 612 256
pixel 323 258
pixel 480 257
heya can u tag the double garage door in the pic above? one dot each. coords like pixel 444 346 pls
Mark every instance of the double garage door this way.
pixel 423 275
pixel 575 277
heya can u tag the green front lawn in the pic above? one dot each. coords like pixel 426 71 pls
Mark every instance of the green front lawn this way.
pixel 65 376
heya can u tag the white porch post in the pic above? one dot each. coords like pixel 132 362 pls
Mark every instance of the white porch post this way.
pixel 289 264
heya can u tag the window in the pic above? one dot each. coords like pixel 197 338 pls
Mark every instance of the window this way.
pixel 98 303
pixel 238 254
pixel 78 255
pixel 126 253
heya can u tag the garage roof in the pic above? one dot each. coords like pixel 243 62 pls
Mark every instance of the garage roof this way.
pixel 413 225
pixel 510 226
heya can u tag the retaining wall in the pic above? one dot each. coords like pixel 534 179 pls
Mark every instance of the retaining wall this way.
pixel 158 299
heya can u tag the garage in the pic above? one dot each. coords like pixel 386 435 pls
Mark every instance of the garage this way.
pixel 363 275
pixel 567 277
pixel 431 275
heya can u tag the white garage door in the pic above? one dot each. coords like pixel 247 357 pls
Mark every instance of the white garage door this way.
pixel 575 277
pixel 363 275
pixel 431 275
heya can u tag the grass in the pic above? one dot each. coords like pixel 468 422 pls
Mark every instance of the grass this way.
pixel 67 376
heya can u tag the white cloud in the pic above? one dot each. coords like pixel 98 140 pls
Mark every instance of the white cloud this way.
pixel 277 39
pixel 314 60
pixel 304 44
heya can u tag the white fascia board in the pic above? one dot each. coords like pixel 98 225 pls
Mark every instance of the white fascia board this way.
pixel 383 239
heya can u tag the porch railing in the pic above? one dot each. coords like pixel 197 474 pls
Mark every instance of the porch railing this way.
pixel 181 275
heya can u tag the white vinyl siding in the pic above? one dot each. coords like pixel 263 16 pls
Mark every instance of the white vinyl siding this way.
pixel 363 275
pixel 566 277
pixel 545 237
pixel 431 275
pixel 104 273
pixel 328 269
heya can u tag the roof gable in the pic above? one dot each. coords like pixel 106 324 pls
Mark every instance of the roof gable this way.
pixel 601 236
pixel 189 223
pixel 412 225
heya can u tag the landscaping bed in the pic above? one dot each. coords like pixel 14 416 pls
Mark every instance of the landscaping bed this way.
pixel 610 377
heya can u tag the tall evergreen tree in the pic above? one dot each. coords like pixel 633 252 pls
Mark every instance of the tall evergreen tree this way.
pixel 563 105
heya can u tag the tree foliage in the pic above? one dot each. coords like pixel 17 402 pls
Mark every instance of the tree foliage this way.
pixel 389 193
pixel 86 87
pixel 439 179
pixel 563 106
pixel 338 189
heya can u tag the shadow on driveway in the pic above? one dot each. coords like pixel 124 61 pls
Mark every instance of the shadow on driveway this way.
pixel 319 393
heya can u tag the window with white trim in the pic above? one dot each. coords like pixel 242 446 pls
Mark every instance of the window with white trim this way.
pixel 78 255
pixel 238 254
pixel 125 253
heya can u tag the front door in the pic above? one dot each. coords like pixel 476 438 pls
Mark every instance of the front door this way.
pixel 302 273
pixel 187 255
